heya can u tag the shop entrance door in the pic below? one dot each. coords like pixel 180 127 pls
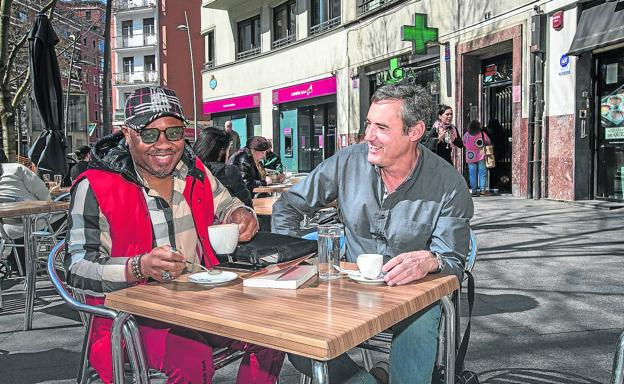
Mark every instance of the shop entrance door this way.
pixel 316 135
pixel 240 126
pixel 610 128
pixel 497 120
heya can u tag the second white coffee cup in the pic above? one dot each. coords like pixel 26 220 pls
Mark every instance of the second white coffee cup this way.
pixel 370 264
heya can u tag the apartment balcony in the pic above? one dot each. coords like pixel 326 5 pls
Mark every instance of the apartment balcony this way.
pixel 119 115
pixel 366 6
pixel 133 5
pixel 136 78
pixel 325 26
pixel 223 4
pixel 283 42
pixel 136 41
pixel 248 53
pixel 208 65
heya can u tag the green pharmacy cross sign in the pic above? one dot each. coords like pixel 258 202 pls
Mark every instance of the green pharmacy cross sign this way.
pixel 419 34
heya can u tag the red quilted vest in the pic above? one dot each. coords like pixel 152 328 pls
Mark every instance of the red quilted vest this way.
pixel 123 204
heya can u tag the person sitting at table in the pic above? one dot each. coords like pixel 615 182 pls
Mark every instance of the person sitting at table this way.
pixel 247 160
pixel 18 183
pixel 273 162
pixel 140 214
pixel 83 156
pixel 211 146
pixel 397 199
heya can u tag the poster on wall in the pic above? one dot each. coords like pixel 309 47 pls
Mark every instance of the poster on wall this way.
pixel 612 110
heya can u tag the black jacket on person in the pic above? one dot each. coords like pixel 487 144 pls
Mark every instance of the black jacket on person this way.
pixel 78 168
pixel 243 160
pixel 231 179
pixel 440 147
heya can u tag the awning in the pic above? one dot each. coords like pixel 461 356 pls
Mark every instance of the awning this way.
pixel 599 26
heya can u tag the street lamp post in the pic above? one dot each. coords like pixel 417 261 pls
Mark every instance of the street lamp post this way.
pixel 185 27
pixel 69 75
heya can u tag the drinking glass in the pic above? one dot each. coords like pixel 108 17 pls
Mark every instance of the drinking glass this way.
pixel 329 251
pixel 46 177
pixel 58 179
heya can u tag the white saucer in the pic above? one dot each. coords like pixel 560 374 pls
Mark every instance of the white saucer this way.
pixel 362 280
pixel 207 278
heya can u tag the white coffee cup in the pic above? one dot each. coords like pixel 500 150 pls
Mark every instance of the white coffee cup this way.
pixel 370 264
pixel 223 238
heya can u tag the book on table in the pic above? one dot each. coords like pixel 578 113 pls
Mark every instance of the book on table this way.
pixel 288 275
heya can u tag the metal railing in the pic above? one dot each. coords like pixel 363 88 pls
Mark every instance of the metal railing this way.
pixel 325 26
pixel 365 6
pixel 284 41
pixel 208 65
pixel 136 40
pixel 249 53
pixel 124 5
pixel 140 77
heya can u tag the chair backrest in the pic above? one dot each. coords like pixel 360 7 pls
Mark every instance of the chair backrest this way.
pixel 63 197
pixel 54 260
pixel 472 254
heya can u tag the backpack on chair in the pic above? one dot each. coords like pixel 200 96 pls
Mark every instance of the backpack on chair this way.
pixel 462 376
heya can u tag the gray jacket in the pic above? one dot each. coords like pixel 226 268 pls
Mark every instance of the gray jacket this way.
pixel 431 210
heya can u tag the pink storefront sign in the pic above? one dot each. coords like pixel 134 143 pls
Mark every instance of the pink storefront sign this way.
pixel 232 104
pixel 317 88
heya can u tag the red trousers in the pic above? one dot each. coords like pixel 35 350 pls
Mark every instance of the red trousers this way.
pixel 184 355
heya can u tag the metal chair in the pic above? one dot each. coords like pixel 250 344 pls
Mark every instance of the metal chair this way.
pixel 386 337
pixel 617 376
pixel 75 301
pixel 138 365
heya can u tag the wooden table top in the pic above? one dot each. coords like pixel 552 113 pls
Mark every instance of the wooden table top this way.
pixel 273 188
pixel 264 205
pixel 320 321
pixel 31 207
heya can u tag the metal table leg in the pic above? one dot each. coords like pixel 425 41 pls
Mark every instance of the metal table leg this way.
pixel 449 319
pixel 320 374
pixel 31 271
pixel 617 376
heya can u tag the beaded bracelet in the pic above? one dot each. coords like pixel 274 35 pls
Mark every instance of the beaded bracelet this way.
pixel 135 267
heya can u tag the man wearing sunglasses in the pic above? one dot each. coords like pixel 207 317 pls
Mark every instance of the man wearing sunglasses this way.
pixel 139 213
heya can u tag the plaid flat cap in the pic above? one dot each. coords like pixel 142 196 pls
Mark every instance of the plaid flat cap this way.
pixel 147 104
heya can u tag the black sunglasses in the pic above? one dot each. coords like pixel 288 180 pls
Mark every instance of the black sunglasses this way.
pixel 151 135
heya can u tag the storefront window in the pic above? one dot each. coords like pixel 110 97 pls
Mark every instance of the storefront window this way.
pixel 610 130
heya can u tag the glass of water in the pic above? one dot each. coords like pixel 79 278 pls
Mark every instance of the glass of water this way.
pixel 329 251
pixel 46 177
pixel 58 179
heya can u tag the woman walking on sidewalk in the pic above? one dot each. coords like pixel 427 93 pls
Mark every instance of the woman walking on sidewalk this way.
pixel 475 141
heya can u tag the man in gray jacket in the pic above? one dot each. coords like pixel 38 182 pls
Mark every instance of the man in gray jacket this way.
pixel 398 199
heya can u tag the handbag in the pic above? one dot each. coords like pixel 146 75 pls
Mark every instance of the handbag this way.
pixel 488 151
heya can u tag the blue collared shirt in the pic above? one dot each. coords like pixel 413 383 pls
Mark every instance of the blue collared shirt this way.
pixel 430 210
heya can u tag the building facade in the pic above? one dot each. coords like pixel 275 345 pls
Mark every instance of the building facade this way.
pixel 150 47
pixel 79 26
pixel 302 72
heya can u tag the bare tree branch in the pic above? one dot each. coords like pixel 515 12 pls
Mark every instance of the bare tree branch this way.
pixel 11 59
pixel 17 98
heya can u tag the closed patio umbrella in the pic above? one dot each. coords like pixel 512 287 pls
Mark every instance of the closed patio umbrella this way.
pixel 48 151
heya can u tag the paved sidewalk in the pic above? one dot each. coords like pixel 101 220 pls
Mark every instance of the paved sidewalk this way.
pixel 550 302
